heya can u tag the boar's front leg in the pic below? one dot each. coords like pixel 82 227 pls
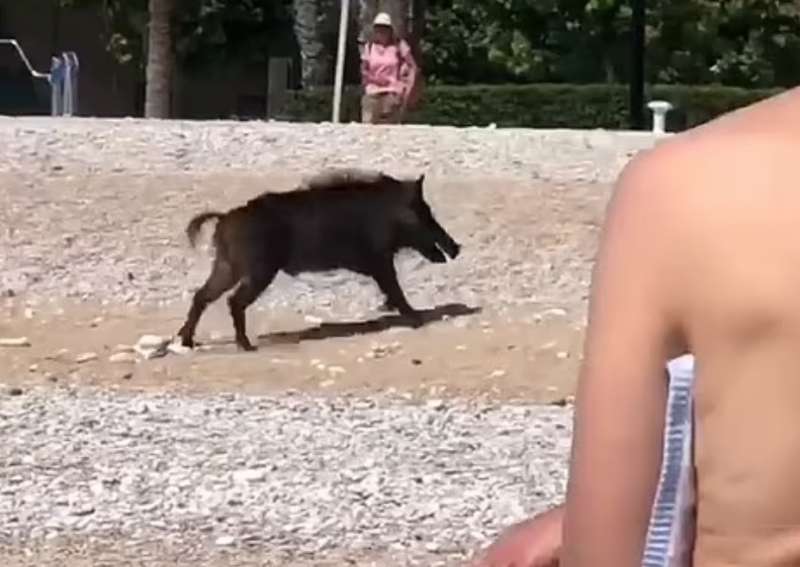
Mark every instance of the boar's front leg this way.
pixel 383 272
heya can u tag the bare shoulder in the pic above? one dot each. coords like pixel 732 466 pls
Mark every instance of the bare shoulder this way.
pixel 695 172
pixel 662 213
pixel 648 193
pixel 698 199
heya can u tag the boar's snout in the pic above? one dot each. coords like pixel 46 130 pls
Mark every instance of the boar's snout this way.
pixel 451 248
pixel 442 238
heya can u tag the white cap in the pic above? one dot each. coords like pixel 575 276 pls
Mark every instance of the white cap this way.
pixel 382 19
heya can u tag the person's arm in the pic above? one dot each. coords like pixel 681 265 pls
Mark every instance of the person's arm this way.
pixel 365 75
pixel 621 399
pixel 408 67
pixel 535 542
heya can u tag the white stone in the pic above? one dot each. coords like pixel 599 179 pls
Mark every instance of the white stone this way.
pixel 152 346
pixel 177 348
pixel 250 475
pixel 15 342
pixel 86 357
pixel 122 357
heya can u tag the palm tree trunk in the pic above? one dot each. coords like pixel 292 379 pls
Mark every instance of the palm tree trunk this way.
pixel 159 60
pixel 316 24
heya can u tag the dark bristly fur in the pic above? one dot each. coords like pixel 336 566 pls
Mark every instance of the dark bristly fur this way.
pixel 339 219
pixel 197 223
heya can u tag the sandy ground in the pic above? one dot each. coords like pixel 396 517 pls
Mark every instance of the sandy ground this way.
pixel 484 357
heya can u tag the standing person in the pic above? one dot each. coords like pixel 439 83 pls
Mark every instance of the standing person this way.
pixel 699 253
pixel 388 70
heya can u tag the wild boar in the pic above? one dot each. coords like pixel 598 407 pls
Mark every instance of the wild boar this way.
pixel 342 219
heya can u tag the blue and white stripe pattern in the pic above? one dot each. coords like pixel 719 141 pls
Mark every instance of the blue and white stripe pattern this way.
pixel 670 536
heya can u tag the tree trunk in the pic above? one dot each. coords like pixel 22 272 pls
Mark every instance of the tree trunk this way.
pixel 608 65
pixel 159 60
pixel 316 23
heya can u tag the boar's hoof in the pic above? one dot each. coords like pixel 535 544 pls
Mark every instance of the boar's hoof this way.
pixel 245 345
pixel 386 306
pixel 415 319
pixel 187 342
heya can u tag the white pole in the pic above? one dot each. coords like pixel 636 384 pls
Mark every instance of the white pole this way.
pixel 337 87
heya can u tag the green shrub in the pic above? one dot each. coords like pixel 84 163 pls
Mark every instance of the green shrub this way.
pixel 537 105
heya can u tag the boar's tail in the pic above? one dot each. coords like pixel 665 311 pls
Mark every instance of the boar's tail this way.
pixel 197 223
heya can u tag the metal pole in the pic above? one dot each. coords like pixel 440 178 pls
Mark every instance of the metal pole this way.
pixel 18 48
pixel 56 80
pixel 337 87
pixel 67 85
pixel 71 67
pixel 637 64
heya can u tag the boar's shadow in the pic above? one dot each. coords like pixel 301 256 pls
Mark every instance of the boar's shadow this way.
pixel 344 329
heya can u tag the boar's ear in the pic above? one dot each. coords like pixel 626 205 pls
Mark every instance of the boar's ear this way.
pixel 420 181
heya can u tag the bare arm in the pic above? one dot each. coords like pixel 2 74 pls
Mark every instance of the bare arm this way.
pixel 408 66
pixel 622 391
pixel 535 542
pixel 365 78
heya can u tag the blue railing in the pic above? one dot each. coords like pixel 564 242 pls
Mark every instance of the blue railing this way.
pixel 62 79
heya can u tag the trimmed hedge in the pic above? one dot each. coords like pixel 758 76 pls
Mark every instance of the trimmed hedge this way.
pixel 537 105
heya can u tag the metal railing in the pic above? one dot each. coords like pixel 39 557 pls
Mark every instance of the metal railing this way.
pixel 62 78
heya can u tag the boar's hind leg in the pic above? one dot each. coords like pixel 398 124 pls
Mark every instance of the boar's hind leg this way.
pixel 248 291
pixel 385 275
pixel 221 280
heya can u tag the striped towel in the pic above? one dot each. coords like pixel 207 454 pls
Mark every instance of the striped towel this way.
pixel 670 536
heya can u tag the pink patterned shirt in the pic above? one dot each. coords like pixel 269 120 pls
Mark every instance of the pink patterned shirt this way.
pixel 386 68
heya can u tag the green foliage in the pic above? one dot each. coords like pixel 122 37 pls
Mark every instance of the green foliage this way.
pixel 207 32
pixel 748 43
pixel 472 41
pixel 741 43
pixel 539 105
pixel 126 24
pixel 221 31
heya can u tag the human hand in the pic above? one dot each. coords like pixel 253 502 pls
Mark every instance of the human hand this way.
pixel 535 542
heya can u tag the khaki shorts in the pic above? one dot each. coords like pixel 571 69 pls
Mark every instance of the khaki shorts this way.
pixel 381 108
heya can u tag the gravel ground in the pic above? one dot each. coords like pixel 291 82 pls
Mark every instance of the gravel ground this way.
pixel 288 473
pixel 85 145
pixel 95 213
